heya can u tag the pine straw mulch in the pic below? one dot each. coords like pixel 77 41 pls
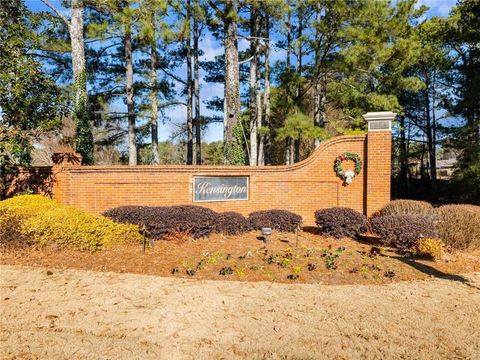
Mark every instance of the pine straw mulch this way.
pixel 314 259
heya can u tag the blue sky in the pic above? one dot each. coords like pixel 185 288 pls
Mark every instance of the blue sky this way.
pixel 211 48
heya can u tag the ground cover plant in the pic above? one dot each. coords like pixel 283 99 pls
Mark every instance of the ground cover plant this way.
pixel 38 220
pixel 340 222
pixel 281 220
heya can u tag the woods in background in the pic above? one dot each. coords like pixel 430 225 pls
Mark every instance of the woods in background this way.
pixel 293 74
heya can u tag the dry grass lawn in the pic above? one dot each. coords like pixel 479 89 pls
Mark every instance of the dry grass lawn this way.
pixel 76 314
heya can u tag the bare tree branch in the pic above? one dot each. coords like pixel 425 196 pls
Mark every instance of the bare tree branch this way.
pixel 56 11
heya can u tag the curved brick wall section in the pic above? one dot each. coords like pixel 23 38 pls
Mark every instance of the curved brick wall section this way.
pixel 302 188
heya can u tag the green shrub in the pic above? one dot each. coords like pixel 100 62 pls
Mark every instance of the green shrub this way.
pixel 407 207
pixel 459 226
pixel 35 219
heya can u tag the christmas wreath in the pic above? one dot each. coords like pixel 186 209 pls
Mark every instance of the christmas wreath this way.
pixel 348 175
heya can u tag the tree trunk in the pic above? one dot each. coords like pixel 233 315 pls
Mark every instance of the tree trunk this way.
pixel 232 78
pixel 84 138
pixel 196 86
pixel 153 94
pixel 289 34
pixel 404 180
pixel 189 87
pixel 320 80
pixel 132 142
pixel 430 144
pixel 254 53
pixel 266 95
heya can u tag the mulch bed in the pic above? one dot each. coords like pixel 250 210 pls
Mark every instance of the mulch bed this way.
pixel 310 259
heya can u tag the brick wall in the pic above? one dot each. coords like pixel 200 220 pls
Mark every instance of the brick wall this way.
pixel 302 188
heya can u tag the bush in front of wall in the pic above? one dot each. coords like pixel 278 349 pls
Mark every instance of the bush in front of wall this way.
pixel 429 248
pixel 161 221
pixel 340 222
pixel 459 226
pixel 38 220
pixel 281 220
pixel 407 207
pixel 231 223
pixel 403 231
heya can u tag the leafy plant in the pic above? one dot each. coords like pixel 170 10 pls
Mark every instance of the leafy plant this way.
pixel 340 222
pixel 162 221
pixel 407 207
pixel 227 270
pixel 330 258
pixel 403 231
pixel 231 223
pixel 429 248
pixel 281 220
pixel 459 226
pixel 35 219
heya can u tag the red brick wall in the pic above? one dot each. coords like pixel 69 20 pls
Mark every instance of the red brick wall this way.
pixel 302 188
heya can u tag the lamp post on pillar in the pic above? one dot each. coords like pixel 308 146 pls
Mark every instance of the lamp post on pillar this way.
pixel 379 160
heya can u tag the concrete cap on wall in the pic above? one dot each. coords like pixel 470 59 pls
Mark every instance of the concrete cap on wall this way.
pixel 380 121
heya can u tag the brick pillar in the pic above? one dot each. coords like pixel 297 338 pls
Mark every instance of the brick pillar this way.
pixel 61 185
pixel 378 160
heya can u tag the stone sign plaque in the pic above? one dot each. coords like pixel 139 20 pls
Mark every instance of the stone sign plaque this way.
pixel 220 188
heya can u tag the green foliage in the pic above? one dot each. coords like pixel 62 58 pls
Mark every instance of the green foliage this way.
pixel 35 219
pixel 29 100
pixel 299 126
pixel 234 151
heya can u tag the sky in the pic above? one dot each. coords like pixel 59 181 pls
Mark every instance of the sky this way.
pixel 211 48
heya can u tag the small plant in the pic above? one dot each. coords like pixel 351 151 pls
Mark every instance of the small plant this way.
pixel 227 270
pixel 191 272
pixel 241 273
pixel 311 267
pixel 331 257
pixel 295 273
pixel 175 271
pixel 309 252
pixel 389 274
pixel 340 222
pixel 429 248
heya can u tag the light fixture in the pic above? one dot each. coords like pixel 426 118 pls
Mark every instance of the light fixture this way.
pixel 266 232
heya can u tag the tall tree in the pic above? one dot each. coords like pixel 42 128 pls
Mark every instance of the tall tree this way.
pixel 30 102
pixel 84 137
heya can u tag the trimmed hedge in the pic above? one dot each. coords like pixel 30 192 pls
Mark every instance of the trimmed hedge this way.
pixel 281 220
pixel 232 223
pixel 38 220
pixel 161 221
pixel 407 207
pixel 459 226
pixel 340 222
pixel 403 231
